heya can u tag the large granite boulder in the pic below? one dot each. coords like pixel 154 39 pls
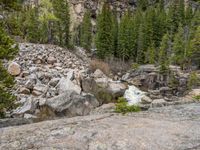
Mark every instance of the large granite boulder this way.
pixel 105 89
pixel 66 84
pixel 69 104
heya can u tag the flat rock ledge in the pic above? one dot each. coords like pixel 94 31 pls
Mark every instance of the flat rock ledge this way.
pixel 167 128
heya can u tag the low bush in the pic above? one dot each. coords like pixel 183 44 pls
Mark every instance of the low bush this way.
pixel 193 80
pixel 197 97
pixel 99 64
pixel 123 107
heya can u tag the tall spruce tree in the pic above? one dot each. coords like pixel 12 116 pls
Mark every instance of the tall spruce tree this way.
pixel 61 11
pixel 86 31
pixel 115 32
pixel 141 42
pixel 164 54
pixel 195 47
pixel 179 47
pixel 126 39
pixel 104 37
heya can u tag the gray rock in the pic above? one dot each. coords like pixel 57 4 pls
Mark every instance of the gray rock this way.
pixel 28 107
pixel 67 85
pixel 166 128
pixel 146 100
pixel 98 74
pixel 51 60
pixel 117 89
pixel 71 104
pixel 158 103
pixel 53 82
pixel 24 90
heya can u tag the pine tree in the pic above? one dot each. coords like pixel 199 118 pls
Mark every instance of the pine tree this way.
pixel 61 11
pixel 104 37
pixel 179 47
pixel 115 32
pixel 86 31
pixel 33 33
pixel 164 54
pixel 181 11
pixel 173 19
pixel 195 47
pixel 126 37
pixel 7 48
pixel 6 99
pixel 141 45
pixel 151 54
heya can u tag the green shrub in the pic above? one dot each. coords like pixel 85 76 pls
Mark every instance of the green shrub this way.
pixel 123 107
pixel 197 97
pixel 135 66
pixel 6 99
pixel 193 80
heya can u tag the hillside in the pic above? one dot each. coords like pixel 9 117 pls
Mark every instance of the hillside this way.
pixel 95 74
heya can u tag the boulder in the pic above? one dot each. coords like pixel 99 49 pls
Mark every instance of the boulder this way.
pixel 28 107
pixel 14 69
pixel 104 89
pixel 53 82
pixel 51 60
pixel 70 104
pixel 66 84
pixel 98 74
pixel 146 100
pixel 158 103
pixel 117 89
pixel 24 90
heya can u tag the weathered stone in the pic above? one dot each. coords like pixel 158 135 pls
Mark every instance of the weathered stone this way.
pixel 51 60
pixel 146 100
pixel 117 89
pixel 24 90
pixel 28 107
pixel 98 74
pixel 54 81
pixel 14 69
pixel 71 104
pixel 66 85
pixel 158 103
pixel 166 128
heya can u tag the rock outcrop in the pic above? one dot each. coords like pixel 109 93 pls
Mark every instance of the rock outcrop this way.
pixel 174 127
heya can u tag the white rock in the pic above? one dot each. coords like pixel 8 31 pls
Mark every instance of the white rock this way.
pixel 133 95
pixel 66 85
pixel 14 69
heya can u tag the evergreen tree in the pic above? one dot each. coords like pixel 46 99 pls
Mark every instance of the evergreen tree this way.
pixel 61 11
pixel 141 45
pixel 126 37
pixel 195 47
pixel 151 54
pixel 173 19
pixel 33 32
pixel 7 46
pixel 164 54
pixel 86 31
pixel 115 32
pixel 179 47
pixel 181 11
pixel 6 99
pixel 104 37
pixel 7 51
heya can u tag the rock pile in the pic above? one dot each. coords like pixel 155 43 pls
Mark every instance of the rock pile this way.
pixel 46 72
